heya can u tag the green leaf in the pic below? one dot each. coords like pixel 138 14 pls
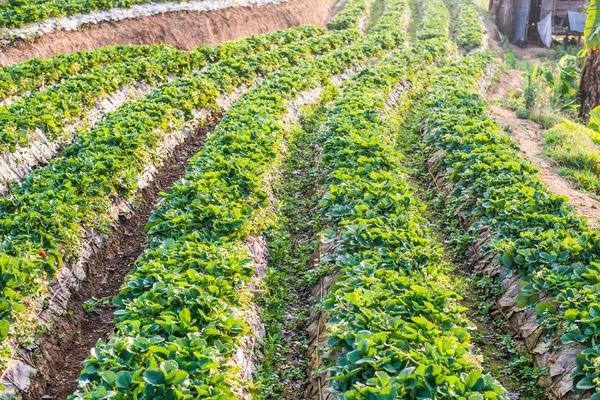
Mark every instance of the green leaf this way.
pixel 406 372
pixel 383 377
pixel 185 316
pixel 475 381
pixel 573 337
pixel 4 327
pixel 124 380
pixel 168 243
pixel 154 376
pixel 354 356
pixel 169 366
pixel 177 377
pixel 476 397
pixel 363 346
pixel 571 315
pixel 507 260
pixel 586 383
pixel 592 26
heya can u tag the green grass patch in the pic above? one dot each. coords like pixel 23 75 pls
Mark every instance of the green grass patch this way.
pixel 574 148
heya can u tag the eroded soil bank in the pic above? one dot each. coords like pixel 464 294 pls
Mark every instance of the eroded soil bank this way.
pixel 184 30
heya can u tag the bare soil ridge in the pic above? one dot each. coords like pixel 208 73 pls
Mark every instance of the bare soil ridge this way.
pixel 184 30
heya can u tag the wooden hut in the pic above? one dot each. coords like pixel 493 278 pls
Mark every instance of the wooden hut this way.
pixel 524 20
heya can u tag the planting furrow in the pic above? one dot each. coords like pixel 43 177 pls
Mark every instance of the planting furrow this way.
pixel 31 76
pixel 56 310
pixel 203 303
pixel 88 312
pixel 100 174
pixel 543 254
pixel 19 161
pixel 393 327
pixel 34 128
pixel 282 368
pixel 26 21
pixel 282 371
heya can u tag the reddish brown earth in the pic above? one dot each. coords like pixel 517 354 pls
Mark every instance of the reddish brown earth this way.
pixel 184 30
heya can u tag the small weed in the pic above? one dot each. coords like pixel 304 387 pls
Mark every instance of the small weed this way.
pixel 92 305
pixel 514 61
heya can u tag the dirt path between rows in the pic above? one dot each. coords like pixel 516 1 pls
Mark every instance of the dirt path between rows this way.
pixel 68 343
pixel 184 29
pixel 528 135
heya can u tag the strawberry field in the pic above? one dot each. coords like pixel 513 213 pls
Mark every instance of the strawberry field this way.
pixel 312 213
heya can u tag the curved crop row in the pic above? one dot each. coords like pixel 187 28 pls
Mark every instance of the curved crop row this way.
pixel 33 75
pixel 42 220
pixel 394 12
pixel 509 213
pixel 17 13
pixel 350 16
pixel 52 110
pixel 435 19
pixel 396 330
pixel 469 27
pixel 195 246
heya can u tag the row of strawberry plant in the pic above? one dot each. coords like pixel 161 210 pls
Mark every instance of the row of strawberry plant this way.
pixel 16 14
pixel 43 219
pixel 507 210
pixel 53 110
pixel 469 27
pixel 33 75
pixel 195 244
pixel 351 15
pixel 395 329
pixel 394 11
pixel 435 19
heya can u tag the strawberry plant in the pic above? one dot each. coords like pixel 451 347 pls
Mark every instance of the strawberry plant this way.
pixel 16 14
pixel 178 317
pixel 35 74
pixel 51 208
pixel 469 29
pixel 395 330
pixel 533 232
pixel 53 110
pixel 350 15
pixel 435 20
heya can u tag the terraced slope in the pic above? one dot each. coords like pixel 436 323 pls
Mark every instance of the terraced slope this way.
pixel 282 247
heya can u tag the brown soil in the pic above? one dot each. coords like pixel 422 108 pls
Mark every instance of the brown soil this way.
pixel 184 30
pixel 531 53
pixel 68 343
pixel 529 135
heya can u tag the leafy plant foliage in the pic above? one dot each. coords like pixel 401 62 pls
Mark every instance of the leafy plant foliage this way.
pixel 180 302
